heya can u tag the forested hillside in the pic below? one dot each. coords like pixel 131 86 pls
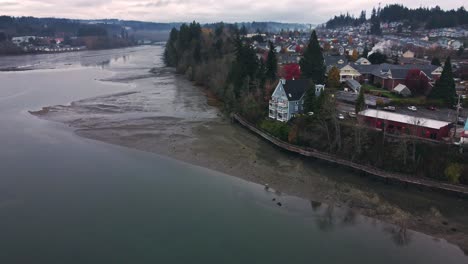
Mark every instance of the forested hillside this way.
pixel 428 18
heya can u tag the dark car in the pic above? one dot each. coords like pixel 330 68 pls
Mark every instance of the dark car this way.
pixel 461 121
pixel 432 108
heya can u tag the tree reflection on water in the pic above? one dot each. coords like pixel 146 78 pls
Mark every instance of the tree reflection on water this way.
pixel 400 234
pixel 328 217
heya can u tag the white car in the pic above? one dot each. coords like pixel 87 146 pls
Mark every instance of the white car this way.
pixel 412 108
pixel 341 116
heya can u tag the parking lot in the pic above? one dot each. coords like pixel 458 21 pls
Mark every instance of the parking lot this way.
pixel 444 114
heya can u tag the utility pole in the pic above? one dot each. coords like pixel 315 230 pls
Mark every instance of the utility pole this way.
pixel 457 116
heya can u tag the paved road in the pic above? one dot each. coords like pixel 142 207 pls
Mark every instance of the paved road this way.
pixel 351 97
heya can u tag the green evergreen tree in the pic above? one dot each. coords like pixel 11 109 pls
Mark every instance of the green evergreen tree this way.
pixel 377 58
pixel 445 87
pixel 375 23
pixel 170 53
pixel 365 52
pixel 271 64
pixel 243 31
pixel 310 100
pixel 312 64
pixel 197 52
pixel 361 102
pixel 244 68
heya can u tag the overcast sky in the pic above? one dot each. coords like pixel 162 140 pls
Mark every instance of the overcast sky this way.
pixel 304 11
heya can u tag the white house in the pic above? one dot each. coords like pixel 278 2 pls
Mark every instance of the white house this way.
pixel 288 99
pixel 348 73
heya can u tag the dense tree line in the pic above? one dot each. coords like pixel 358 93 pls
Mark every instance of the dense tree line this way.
pixel 430 18
pixel 91 30
pixel 220 60
pixel 52 27
pixel 346 20
pixel 261 27
pixel 93 36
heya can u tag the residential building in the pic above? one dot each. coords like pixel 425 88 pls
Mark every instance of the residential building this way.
pixel 400 123
pixel 288 98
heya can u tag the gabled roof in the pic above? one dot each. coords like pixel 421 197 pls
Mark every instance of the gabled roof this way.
pixel 400 87
pixel 295 89
pixel 399 73
pixel 337 61
pixel 353 84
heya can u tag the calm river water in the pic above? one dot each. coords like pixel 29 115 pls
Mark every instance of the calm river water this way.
pixel 67 199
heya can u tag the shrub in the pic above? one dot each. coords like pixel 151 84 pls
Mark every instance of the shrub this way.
pixel 275 128
pixel 453 172
pixel 380 102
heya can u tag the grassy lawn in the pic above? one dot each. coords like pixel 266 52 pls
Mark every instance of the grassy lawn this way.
pixel 380 92
pixel 400 100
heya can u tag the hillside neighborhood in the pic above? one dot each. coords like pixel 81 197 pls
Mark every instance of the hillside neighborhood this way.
pixel 397 75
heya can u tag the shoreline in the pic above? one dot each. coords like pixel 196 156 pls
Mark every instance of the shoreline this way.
pixel 361 194
pixel 386 175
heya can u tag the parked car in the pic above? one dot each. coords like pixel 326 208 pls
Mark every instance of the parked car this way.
pixel 341 116
pixel 412 108
pixel 457 107
pixel 461 121
pixel 352 114
pixel 432 108
pixel 390 108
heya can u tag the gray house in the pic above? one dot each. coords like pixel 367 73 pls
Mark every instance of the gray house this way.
pixel 288 99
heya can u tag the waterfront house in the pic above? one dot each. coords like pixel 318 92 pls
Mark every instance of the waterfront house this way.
pixel 288 99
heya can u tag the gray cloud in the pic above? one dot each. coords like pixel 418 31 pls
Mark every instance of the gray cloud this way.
pixel 306 11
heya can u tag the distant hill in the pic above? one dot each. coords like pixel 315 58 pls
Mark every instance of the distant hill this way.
pixel 139 30
pixel 53 27
pixel 428 18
